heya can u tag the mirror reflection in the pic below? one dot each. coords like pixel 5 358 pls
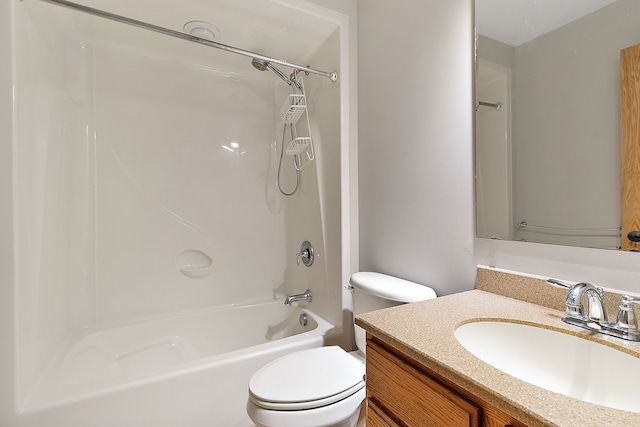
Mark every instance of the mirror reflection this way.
pixel 548 159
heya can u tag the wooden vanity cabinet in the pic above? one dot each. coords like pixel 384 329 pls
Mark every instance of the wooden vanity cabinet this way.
pixel 402 393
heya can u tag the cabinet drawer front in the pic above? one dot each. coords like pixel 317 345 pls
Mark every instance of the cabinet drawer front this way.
pixel 412 397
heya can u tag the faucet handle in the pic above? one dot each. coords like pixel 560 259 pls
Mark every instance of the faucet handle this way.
pixel 628 299
pixel 559 283
pixel 305 255
pixel 598 289
pixel 626 317
pixel 302 255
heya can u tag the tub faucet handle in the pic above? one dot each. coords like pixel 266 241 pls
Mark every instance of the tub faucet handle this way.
pixel 302 255
pixel 305 255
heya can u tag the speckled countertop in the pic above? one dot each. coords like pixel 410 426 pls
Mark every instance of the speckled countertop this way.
pixel 425 332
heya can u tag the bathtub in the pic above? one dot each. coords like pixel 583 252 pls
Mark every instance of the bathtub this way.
pixel 148 235
pixel 157 365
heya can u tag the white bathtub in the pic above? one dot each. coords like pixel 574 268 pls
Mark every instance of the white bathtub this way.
pixel 148 234
pixel 155 366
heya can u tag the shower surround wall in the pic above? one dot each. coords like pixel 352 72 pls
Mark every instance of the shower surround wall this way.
pixel 494 200
pixel 145 168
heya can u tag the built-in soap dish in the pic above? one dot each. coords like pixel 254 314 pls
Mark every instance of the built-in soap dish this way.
pixel 194 264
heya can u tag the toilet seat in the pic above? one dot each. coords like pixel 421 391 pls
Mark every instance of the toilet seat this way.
pixel 307 379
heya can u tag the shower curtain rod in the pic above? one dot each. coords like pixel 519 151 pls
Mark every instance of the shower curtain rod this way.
pixel 123 19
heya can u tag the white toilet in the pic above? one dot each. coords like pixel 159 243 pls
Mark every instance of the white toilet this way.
pixel 324 387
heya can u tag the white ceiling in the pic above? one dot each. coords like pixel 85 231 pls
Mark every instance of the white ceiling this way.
pixel 515 22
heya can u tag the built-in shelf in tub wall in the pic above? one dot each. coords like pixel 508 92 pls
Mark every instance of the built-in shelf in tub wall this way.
pixel 194 264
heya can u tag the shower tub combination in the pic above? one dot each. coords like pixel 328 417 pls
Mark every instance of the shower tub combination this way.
pixel 154 245
pixel 216 349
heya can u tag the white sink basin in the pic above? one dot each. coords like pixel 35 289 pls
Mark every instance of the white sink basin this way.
pixel 555 361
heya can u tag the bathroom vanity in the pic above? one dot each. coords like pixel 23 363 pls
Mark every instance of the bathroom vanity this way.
pixel 419 374
pixel 402 392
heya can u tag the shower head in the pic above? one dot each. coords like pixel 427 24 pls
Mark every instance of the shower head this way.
pixel 262 65
pixel 259 64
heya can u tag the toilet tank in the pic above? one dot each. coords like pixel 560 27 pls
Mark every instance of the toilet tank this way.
pixel 374 291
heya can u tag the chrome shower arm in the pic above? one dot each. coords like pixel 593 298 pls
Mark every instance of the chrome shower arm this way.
pixel 280 74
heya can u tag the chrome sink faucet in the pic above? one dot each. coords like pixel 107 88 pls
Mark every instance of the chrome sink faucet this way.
pixel 595 309
pixel 626 325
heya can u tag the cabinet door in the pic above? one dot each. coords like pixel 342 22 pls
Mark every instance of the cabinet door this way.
pixel 413 398
pixel 630 144
pixel 377 418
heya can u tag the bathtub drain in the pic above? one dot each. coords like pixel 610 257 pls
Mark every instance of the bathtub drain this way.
pixel 304 319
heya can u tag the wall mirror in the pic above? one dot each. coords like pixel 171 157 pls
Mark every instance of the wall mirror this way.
pixel 548 120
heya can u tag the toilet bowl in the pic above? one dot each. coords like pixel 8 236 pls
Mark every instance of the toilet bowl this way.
pixel 324 386
pixel 318 387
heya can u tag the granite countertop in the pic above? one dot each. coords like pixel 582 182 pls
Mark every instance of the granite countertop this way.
pixel 424 331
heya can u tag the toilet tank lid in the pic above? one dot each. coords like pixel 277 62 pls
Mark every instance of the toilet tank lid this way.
pixel 391 288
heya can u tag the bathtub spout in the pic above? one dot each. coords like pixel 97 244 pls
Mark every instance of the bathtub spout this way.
pixel 299 297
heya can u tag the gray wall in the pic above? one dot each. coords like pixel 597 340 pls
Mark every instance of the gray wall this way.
pixel 415 133
pixel 415 158
pixel 566 126
pixel 6 219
